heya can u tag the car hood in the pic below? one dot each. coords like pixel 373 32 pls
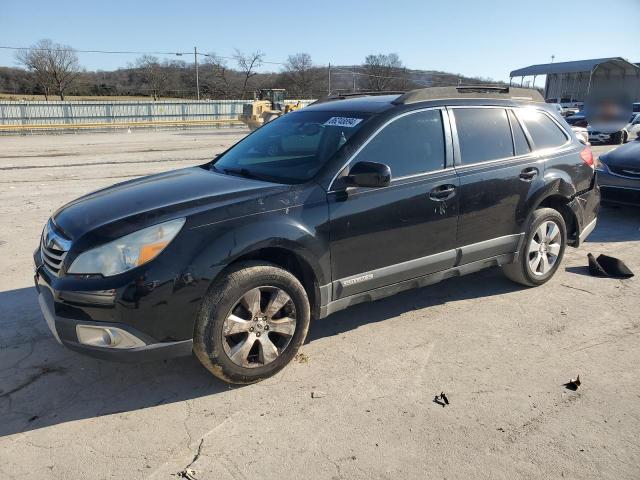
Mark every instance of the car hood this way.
pixel 625 156
pixel 157 198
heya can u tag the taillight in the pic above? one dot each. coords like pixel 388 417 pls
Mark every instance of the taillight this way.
pixel 587 156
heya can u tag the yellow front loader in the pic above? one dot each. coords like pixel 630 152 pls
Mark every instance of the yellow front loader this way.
pixel 268 104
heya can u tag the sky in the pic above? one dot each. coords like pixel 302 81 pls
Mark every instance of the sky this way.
pixel 487 38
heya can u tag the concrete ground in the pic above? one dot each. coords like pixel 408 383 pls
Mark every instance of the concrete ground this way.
pixel 499 351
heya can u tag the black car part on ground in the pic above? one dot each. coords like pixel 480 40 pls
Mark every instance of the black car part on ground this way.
pixel 606 266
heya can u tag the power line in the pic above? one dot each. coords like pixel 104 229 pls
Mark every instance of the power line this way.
pixel 334 70
pixel 127 52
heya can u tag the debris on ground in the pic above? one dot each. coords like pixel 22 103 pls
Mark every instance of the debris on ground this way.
pixel 441 399
pixel 318 394
pixel 301 358
pixel 573 384
pixel 606 266
pixel 188 473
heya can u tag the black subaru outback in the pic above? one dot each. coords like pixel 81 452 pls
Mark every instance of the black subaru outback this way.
pixel 345 201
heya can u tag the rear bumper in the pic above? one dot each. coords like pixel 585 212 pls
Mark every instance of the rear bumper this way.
pixel 585 208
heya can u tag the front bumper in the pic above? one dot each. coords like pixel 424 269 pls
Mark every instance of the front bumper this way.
pixel 64 311
pixel 600 137
pixel 617 188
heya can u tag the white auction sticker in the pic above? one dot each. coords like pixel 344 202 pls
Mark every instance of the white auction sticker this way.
pixel 342 122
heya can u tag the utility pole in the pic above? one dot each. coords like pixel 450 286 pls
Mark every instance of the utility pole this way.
pixel 354 79
pixel 329 82
pixel 195 57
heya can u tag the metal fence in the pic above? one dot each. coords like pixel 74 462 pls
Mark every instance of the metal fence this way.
pixel 49 115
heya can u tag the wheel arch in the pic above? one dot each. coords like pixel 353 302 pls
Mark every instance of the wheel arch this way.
pixel 291 260
pixel 561 204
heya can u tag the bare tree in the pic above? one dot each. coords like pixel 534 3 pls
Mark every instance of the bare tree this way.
pixel 155 75
pixel 216 78
pixel 299 70
pixel 380 68
pixel 55 66
pixel 247 65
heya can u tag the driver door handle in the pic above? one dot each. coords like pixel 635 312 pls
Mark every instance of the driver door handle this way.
pixel 442 192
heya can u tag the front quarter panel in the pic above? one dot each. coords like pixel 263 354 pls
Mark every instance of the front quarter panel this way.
pixel 301 229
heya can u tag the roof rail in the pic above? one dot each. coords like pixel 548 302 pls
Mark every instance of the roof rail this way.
pixel 366 93
pixel 470 91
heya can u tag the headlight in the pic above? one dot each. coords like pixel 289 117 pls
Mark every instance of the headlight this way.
pixel 127 252
pixel 600 165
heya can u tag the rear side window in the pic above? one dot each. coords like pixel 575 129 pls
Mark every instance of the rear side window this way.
pixel 544 132
pixel 519 139
pixel 409 145
pixel 483 134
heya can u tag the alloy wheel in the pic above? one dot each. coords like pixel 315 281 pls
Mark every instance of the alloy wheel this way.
pixel 544 248
pixel 259 327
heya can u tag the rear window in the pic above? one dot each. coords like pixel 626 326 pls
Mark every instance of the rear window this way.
pixel 544 131
pixel 483 134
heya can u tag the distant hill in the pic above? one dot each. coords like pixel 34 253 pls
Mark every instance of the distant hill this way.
pixel 178 81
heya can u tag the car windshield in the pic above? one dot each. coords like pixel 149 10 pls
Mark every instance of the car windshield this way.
pixel 292 148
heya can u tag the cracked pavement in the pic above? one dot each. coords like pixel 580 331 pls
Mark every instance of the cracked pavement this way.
pixel 501 353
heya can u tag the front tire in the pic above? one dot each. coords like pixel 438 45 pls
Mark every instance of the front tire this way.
pixel 542 249
pixel 618 138
pixel 252 323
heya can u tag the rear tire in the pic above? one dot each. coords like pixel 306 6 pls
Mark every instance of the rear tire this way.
pixel 251 323
pixel 542 249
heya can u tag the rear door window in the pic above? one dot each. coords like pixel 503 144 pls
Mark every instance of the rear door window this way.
pixel 544 131
pixel 483 134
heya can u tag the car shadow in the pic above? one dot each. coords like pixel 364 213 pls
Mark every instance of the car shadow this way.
pixel 485 283
pixel 616 224
pixel 43 384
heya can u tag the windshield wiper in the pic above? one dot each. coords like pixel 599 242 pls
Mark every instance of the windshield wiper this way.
pixel 243 172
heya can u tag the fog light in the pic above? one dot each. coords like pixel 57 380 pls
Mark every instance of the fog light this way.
pixel 109 337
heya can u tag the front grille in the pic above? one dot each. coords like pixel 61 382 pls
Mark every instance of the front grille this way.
pixel 53 248
pixel 627 196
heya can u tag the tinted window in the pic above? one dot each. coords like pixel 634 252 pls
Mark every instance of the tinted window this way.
pixel 544 132
pixel 519 139
pixel 483 133
pixel 409 145
pixel 292 148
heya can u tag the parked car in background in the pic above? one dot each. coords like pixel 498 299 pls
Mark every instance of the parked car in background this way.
pixel 582 133
pixel 578 119
pixel 619 174
pixel 629 132
pixel 339 203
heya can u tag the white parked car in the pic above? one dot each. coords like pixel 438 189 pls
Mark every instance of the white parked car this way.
pixel 582 134
pixel 629 132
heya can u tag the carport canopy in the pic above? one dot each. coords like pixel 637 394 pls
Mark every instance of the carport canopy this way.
pixel 611 63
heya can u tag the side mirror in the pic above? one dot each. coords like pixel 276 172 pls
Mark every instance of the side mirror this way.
pixel 369 174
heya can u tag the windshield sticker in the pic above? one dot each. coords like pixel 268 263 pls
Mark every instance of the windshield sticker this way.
pixel 342 122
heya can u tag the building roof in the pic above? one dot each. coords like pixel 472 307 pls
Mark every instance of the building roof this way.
pixel 576 66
